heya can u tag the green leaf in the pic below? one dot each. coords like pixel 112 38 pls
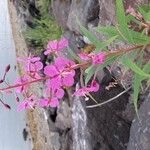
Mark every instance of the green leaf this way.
pixel 90 72
pixel 110 31
pixel 137 81
pixel 102 45
pixel 128 63
pixel 146 69
pixel 94 69
pixel 122 21
pixel 136 90
pixel 73 55
pixel 89 35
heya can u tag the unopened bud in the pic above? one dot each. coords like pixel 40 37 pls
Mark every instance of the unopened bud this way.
pixel 17 99
pixel 7 106
pixel 7 68
pixel 1 81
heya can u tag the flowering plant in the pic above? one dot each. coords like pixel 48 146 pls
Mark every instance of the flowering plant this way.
pixel 60 75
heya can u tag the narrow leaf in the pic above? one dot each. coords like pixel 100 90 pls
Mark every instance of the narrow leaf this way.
pixel 136 91
pixel 89 35
pixel 90 72
pixel 73 55
pixel 128 63
pixel 102 45
pixel 122 21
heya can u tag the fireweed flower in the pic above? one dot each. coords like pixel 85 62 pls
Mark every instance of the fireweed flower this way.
pixel 95 58
pixel 22 80
pixel 32 65
pixel 53 99
pixel 61 73
pixel 94 87
pixel 56 46
pixel 28 103
pixel 98 58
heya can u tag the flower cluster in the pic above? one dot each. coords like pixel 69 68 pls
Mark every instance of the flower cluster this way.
pixel 58 76
pixel 95 58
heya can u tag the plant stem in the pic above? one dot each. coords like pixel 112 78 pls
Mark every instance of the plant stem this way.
pixel 23 84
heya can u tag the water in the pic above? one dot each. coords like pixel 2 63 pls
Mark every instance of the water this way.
pixel 12 123
pixel 81 136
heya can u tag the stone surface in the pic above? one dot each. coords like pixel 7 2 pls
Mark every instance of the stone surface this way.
pixel 84 11
pixel 140 130
pixel 106 124
pixel 63 119
pixel 61 10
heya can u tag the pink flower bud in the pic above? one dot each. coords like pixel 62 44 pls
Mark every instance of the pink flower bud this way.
pixel 7 106
pixel 1 81
pixel 7 68
pixel 17 99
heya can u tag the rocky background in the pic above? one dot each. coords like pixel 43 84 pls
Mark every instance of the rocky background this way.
pixel 112 126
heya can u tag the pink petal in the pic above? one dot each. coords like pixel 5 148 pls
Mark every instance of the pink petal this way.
pixel 59 93
pixel 68 80
pixel 60 63
pixel 51 71
pixel 84 56
pixel 38 65
pixel 53 45
pixel 43 102
pixel 94 86
pixel 47 52
pixel 55 83
pixel 21 80
pixel 62 43
pixel 98 58
pixel 81 92
pixel 34 59
pixel 22 106
pixel 85 90
pixel 54 102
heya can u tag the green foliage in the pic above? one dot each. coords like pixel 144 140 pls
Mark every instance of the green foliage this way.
pixel 132 61
pixel 145 11
pixel 44 29
pixel 74 56
pixel 122 22
pixel 43 6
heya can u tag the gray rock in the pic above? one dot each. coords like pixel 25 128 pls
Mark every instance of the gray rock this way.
pixel 84 11
pixel 140 130
pixel 63 119
pixel 55 141
pixel 61 11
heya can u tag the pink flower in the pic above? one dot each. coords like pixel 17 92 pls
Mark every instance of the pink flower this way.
pixel 22 80
pixel 54 102
pixel 96 58
pixel 94 87
pixel 28 103
pixel 32 65
pixel 56 46
pixel 61 73
pixel 85 56
pixel 53 97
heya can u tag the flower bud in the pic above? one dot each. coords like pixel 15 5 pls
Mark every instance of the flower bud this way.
pixel 7 68
pixel 7 106
pixel 1 81
pixel 17 99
